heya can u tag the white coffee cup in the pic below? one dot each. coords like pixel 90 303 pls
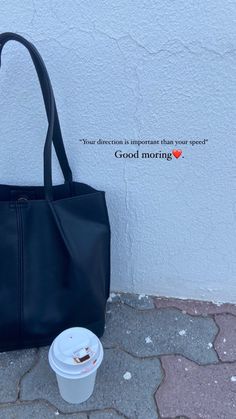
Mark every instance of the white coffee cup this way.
pixel 75 355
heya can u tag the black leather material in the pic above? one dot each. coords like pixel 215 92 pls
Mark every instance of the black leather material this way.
pixel 54 246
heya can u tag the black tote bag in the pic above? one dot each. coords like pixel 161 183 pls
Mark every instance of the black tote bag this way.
pixel 54 245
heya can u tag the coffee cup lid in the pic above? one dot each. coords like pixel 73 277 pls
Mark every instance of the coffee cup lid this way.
pixel 75 353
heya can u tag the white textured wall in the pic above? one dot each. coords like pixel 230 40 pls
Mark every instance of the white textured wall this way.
pixel 142 69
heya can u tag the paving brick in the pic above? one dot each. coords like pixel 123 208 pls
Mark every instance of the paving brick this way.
pixel 138 301
pixel 106 415
pixel 132 397
pixel 13 365
pixel 195 308
pixel 156 332
pixel 225 343
pixel 207 392
pixel 34 410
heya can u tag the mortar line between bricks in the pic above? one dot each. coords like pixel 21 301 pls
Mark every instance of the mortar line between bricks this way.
pixel 214 341
pixel 141 310
pixel 36 360
pixel 155 404
pixel 162 383
pixel 176 417
pixel 184 416
pixel 49 404
pixel 27 403
pixel 197 363
pixel 163 378
pixel 91 411
pixel 204 316
pixel 150 357
pixel 19 381
pixel 193 316
pixel 213 317
pixel 107 409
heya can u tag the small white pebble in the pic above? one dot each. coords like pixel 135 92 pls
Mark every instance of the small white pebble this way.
pixel 176 318
pixel 148 339
pixel 219 304
pixel 128 332
pixel 191 320
pixel 57 413
pixel 225 353
pixel 179 359
pixel 108 311
pixel 224 340
pixel 182 332
pixel 216 382
pixel 184 311
pixel 186 369
pixel 233 378
pixel 127 375
pixel 195 311
pixel 209 345
pixel 112 295
pixel 11 362
pixel 141 296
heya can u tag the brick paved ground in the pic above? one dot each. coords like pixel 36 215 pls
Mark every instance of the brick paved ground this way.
pixel 164 358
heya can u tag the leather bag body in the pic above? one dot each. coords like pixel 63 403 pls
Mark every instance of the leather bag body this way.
pixel 54 246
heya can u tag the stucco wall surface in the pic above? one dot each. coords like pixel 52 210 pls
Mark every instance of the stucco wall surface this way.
pixel 136 70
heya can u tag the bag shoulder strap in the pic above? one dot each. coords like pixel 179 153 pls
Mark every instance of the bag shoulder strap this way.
pixel 43 80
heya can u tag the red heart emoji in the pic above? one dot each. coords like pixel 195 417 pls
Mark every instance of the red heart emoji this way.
pixel 177 153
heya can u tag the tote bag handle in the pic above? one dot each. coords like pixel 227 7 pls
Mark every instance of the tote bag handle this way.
pixel 54 131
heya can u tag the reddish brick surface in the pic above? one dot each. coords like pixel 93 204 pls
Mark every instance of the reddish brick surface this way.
pixel 195 308
pixel 188 389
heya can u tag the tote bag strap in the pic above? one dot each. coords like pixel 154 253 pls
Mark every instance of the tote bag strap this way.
pixel 54 131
